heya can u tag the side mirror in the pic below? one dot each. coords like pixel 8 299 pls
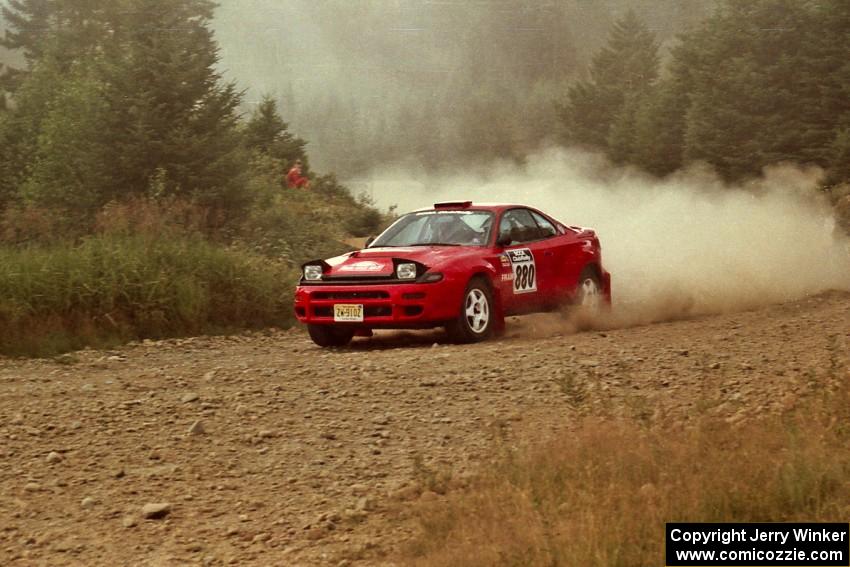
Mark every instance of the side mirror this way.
pixel 369 242
pixel 504 240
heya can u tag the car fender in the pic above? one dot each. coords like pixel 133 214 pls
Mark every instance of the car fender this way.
pixel 464 270
pixel 492 274
pixel 588 255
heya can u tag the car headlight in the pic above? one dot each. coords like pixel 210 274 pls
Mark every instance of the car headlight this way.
pixel 406 271
pixel 313 272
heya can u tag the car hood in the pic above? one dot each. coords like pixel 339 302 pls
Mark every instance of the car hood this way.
pixel 380 261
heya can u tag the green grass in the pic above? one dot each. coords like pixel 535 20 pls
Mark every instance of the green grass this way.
pixel 112 288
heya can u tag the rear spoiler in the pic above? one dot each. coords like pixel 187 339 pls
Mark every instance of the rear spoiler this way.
pixel 453 205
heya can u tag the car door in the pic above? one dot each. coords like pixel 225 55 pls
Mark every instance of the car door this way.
pixel 559 251
pixel 531 261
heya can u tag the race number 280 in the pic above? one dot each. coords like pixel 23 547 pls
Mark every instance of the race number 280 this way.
pixel 525 270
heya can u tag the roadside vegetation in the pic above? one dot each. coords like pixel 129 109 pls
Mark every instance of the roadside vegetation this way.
pixel 148 267
pixel 600 493
pixel 140 195
pixel 115 287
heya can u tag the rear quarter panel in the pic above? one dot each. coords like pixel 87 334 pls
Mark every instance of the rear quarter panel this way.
pixel 581 248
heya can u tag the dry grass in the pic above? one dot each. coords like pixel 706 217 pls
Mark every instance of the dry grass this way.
pixel 601 494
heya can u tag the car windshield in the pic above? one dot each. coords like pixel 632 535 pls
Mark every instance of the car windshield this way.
pixel 438 228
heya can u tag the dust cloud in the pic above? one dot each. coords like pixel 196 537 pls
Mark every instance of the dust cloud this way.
pixel 679 247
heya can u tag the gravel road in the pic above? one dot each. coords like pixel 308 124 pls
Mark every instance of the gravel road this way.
pixel 265 450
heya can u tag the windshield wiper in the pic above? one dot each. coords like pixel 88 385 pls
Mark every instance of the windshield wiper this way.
pixel 435 244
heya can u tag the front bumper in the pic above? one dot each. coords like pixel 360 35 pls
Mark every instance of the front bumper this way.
pixel 388 306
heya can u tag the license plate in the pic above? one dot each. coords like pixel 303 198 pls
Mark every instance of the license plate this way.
pixel 345 312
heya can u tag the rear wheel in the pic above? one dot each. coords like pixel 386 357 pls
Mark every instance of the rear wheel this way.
pixel 589 294
pixel 330 336
pixel 476 319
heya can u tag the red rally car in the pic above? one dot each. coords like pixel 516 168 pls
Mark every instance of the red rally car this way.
pixel 459 265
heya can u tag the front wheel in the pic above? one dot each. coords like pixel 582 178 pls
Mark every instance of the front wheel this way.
pixel 476 319
pixel 330 336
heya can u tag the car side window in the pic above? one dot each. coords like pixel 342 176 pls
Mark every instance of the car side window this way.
pixel 547 229
pixel 519 225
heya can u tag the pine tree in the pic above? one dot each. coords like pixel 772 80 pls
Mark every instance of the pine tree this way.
pixel 8 181
pixel 839 157
pixel 20 127
pixel 659 129
pixel 171 116
pixel 266 132
pixel 623 72
pixel 69 167
pixel 28 26
pixel 758 83
pixel 622 134
pixel 753 88
pixel 69 30
pixel 660 120
pixel 830 119
pixel 162 110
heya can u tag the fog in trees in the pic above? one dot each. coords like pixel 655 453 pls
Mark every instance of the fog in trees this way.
pixel 435 83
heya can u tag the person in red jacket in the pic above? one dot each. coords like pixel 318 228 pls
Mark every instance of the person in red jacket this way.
pixel 295 179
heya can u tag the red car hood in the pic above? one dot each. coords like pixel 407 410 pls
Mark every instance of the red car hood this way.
pixel 379 261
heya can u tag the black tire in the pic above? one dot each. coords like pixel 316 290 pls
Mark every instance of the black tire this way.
pixel 329 335
pixel 469 328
